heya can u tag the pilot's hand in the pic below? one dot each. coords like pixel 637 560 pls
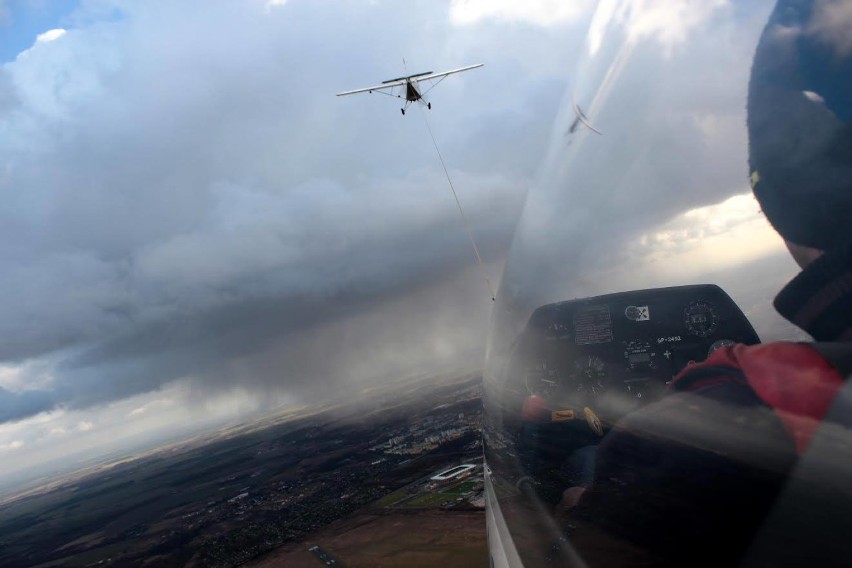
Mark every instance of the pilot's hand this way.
pixel 570 499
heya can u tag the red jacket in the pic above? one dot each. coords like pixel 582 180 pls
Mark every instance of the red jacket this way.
pixel 793 379
pixel 690 479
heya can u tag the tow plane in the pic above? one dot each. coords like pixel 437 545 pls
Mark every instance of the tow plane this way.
pixel 411 88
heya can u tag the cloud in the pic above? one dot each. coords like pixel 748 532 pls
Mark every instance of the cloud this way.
pixel 50 35
pixel 539 12
pixel 54 442
pixel 151 406
pixel 831 22
pixel 660 198
pixel 713 236
pixel 182 208
pixel 813 97
pixel 17 405
pixel 667 22
pixel 9 375
pixel 13 445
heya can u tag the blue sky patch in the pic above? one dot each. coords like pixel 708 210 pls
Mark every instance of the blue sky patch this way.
pixel 22 20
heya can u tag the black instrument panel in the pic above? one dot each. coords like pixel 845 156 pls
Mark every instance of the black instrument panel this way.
pixel 611 352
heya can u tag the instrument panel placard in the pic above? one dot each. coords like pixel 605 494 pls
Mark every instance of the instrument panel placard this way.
pixel 593 324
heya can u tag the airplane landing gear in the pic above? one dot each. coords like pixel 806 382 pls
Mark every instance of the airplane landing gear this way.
pixel 402 110
pixel 429 106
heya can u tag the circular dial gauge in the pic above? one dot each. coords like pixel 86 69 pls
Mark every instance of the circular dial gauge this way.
pixel 700 318
pixel 720 343
pixel 590 373
pixel 542 379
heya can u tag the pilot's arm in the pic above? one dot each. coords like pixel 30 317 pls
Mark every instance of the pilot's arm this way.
pixel 688 479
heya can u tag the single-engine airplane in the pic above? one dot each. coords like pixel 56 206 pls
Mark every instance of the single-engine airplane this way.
pixel 411 84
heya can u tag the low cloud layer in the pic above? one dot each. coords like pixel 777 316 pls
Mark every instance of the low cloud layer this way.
pixel 184 197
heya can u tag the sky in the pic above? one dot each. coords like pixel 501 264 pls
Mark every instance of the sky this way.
pixel 195 229
pixel 24 20
pixel 651 188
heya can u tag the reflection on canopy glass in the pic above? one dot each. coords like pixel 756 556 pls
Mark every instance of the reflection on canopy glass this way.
pixel 645 404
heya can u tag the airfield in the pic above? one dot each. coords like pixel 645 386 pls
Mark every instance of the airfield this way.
pixel 330 477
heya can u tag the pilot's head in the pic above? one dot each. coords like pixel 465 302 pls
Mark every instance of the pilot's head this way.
pixel 800 125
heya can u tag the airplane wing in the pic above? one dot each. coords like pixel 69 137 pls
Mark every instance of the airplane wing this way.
pixel 384 86
pixel 415 78
pixel 431 76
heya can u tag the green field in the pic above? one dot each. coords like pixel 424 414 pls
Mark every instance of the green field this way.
pixel 430 499
pixel 392 498
pixel 463 487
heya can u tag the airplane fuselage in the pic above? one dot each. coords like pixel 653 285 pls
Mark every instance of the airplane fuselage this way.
pixel 411 92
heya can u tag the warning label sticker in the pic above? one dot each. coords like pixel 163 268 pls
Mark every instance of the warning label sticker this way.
pixel 593 324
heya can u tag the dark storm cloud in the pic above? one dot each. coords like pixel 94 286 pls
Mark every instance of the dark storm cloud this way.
pixel 14 406
pixel 184 197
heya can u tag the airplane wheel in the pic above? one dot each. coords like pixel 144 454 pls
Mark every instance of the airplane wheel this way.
pixel 402 110
pixel 429 106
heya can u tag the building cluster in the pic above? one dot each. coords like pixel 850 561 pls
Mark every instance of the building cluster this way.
pixel 268 514
pixel 428 435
